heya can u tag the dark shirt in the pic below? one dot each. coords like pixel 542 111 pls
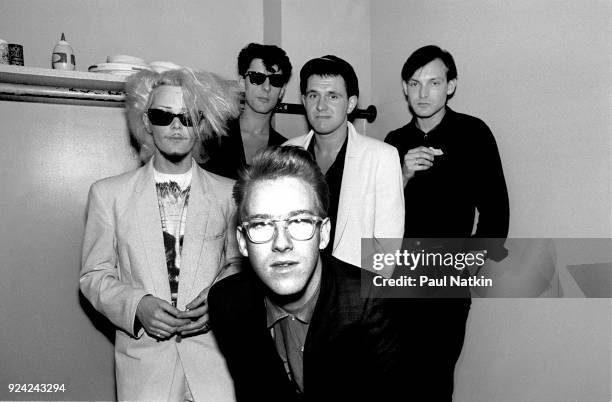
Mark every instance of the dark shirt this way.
pixel 226 154
pixel 441 201
pixel 289 333
pixel 333 177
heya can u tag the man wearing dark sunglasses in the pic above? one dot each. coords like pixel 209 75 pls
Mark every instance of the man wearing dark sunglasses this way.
pixel 264 71
pixel 296 324
pixel 157 237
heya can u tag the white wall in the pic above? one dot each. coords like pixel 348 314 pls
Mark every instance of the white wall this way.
pixel 539 73
pixel 315 28
pixel 51 154
pixel 205 34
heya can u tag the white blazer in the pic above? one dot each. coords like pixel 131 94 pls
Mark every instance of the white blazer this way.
pixel 124 260
pixel 371 201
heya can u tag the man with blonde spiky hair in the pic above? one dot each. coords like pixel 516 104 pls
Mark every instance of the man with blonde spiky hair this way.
pixel 157 237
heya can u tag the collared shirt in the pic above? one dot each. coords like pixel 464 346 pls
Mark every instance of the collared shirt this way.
pixel 289 332
pixel 333 177
pixel 441 201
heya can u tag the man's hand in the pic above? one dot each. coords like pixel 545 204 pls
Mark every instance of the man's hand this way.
pixel 158 317
pixel 197 313
pixel 420 158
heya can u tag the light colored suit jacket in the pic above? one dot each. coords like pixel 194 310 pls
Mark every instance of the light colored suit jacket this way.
pixel 124 260
pixel 371 201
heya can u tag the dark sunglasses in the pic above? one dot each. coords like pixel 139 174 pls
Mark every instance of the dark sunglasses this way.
pixel 276 80
pixel 159 117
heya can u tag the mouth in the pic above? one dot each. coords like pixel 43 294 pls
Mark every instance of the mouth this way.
pixel 264 100
pixel 176 137
pixel 283 265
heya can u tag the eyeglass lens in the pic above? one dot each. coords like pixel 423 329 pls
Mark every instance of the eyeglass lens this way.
pixel 299 229
pixel 257 78
pixel 159 117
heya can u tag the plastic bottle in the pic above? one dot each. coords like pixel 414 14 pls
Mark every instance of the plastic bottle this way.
pixel 63 55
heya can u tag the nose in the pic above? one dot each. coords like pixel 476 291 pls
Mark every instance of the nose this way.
pixel 424 91
pixel 266 85
pixel 321 103
pixel 176 123
pixel 281 241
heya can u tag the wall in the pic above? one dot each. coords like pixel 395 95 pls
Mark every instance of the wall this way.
pixel 315 28
pixel 538 72
pixel 51 154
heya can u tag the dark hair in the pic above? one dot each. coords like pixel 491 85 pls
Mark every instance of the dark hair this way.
pixel 278 162
pixel 270 55
pixel 425 55
pixel 330 66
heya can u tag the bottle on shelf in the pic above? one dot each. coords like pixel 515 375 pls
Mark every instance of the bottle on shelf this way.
pixel 63 55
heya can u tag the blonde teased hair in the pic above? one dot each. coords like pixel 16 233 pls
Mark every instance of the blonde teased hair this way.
pixel 209 99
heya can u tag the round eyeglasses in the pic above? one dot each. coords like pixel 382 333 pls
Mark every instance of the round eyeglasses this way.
pixel 300 228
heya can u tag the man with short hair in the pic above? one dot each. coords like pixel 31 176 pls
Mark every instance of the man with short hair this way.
pixel 363 174
pixel 293 325
pixel 157 237
pixel 263 73
pixel 451 168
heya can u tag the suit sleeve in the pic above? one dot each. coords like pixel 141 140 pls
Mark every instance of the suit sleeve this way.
pixel 389 219
pixel 99 280
pixel 382 339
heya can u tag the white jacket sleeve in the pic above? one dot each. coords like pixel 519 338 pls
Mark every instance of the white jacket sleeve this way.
pixel 100 279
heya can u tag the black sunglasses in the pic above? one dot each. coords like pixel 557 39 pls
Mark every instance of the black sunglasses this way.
pixel 256 78
pixel 159 117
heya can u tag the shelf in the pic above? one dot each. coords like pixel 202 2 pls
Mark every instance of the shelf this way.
pixel 60 78
pixel 29 84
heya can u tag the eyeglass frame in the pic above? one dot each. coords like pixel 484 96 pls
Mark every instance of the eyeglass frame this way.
pixel 252 74
pixel 244 227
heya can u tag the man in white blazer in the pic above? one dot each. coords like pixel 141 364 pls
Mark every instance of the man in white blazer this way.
pixel 364 175
pixel 156 238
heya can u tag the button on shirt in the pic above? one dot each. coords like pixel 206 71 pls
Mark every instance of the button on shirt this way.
pixel 289 332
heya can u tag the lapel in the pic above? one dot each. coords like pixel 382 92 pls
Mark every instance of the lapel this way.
pixel 149 225
pixel 193 240
pixel 351 180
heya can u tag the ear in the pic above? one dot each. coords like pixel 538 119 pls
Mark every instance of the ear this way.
pixel 352 104
pixel 242 243
pixel 324 233
pixel 146 122
pixel 241 83
pixel 452 85
pixel 304 100
pixel 405 87
pixel 282 93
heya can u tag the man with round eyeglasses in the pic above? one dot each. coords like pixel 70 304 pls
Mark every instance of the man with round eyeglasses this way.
pixel 263 74
pixel 297 324
pixel 157 237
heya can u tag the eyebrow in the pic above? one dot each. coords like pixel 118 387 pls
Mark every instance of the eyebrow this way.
pixel 289 215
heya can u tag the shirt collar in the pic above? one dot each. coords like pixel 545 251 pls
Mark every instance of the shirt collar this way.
pixel 437 128
pixel 275 313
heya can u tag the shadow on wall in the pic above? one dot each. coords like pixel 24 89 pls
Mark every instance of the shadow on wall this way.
pixel 100 322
